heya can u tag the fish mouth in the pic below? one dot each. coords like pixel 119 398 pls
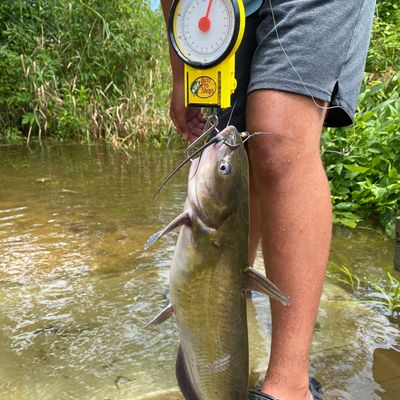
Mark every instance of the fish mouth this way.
pixel 229 136
pixel 205 187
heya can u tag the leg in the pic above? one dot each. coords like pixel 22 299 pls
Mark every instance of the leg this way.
pixel 295 211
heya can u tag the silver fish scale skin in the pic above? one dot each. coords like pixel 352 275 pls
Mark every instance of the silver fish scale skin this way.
pixel 208 274
pixel 210 308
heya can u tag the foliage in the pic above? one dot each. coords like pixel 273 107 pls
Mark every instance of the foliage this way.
pixel 383 56
pixel 82 69
pixel 384 294
pixel 363 163
pixel 91 69
pixel 388 10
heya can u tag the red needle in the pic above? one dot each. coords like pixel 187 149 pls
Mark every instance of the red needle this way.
pixel 204 22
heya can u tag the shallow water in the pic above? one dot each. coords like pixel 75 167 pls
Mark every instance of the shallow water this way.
pixel 77 288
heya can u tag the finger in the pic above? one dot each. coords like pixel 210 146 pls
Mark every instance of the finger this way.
pixel 195 129
pixel 197 132
pixel 180 124
pixel 198 118
pixel 192 137
pixel 194 124
pixel 201 117
pixel 195 113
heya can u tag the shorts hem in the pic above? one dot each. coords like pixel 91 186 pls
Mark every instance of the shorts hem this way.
pixel 332 119
pixel 290 86
pixel 339 117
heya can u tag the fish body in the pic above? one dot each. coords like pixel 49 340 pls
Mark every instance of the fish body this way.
pixel 210 274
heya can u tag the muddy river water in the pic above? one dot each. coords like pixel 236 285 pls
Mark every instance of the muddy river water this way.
pixel 77 287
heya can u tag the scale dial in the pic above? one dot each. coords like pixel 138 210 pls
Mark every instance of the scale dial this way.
pixel 203 32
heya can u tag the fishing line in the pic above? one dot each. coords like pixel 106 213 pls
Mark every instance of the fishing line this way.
pixel 213 121
pixel 249 136
pixel 230 117
pixel 292 66
pixel 215 139
pixel 197 168
pixel 200 150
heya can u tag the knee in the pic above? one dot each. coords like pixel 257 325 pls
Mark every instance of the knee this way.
pixel 276 159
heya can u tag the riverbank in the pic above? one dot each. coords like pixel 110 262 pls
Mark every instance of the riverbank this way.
pixel 83 71
pixel 97 71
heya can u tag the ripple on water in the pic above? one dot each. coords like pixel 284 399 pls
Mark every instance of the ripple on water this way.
pixel 77 288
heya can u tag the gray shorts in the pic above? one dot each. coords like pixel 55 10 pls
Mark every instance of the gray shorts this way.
pixel 325 40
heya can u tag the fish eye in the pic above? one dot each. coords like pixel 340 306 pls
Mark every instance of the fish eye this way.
pixel 225 167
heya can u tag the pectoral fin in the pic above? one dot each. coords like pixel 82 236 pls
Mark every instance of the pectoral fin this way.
pixel 162 316
pixel 179 220
pixel 259 283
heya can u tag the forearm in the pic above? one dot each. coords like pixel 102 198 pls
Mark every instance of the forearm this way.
pixel 176 62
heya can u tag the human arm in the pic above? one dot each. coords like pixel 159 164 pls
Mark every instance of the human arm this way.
pixel 188 120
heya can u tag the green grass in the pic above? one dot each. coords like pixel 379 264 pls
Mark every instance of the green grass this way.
pixel 95 70
pixel 383 295
pixel 83 71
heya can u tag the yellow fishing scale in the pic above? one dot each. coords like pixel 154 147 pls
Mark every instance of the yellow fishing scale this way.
pixel 206 34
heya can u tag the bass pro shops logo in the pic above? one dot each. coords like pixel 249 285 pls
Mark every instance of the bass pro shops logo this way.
pixel 203 87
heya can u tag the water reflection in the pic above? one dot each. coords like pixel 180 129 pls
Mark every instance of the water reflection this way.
pixel 77 288
pixel 386 372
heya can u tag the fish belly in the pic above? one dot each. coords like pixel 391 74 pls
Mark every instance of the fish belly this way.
pixel 206 292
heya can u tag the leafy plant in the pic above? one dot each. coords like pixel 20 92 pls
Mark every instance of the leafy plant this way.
pixel 362 162
pixel 89 70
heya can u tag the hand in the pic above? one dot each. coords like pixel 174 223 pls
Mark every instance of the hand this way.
pixel 189 121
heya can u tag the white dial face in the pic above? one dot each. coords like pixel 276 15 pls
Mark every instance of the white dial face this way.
pixel 203 29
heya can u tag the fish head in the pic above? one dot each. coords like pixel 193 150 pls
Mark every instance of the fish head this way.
pixel 218 180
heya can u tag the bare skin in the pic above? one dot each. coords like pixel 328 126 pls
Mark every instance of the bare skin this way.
pixel 290 196
pixel 290 210
pixel 189 121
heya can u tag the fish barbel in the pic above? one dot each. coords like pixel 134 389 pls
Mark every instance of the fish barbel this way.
pixel 210 274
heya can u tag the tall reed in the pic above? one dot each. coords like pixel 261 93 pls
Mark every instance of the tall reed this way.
pixel 83 69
